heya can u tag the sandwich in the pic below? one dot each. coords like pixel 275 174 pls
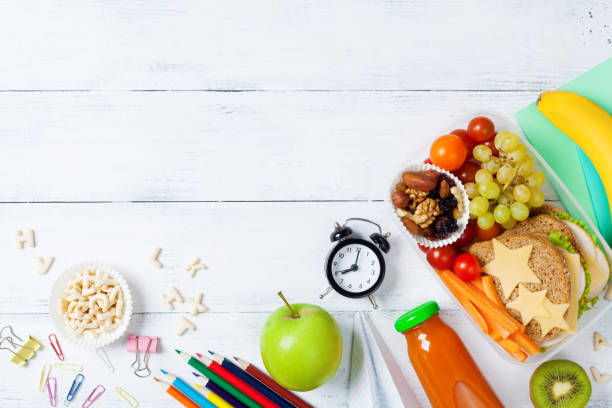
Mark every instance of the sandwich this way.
pixel 584 242
pixel 564 274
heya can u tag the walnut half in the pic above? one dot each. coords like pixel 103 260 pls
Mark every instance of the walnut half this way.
pixel 416 197
pixel 426 213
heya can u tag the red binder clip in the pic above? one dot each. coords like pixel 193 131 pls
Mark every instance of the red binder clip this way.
pixel 56 347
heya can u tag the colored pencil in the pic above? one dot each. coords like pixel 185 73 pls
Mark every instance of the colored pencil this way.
pixel 176 394
pixel 252 381
pixel 189 392
pixel 217 379
pixel 219 391
pixel 264 378
pixel 212 397
pixel 237 382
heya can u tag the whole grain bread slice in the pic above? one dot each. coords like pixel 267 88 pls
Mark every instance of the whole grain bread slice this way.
pixel 545 209
pixel 547 264
pixel 543 224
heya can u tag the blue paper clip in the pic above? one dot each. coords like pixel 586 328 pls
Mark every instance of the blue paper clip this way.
pixel 76 384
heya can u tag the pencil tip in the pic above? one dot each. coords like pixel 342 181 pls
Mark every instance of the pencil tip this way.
pixel 212 353
pixel 156 379
pixel 178 351
pixel 164 371
pixel 199 355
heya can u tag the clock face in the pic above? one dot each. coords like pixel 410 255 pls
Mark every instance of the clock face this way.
pixel 355 268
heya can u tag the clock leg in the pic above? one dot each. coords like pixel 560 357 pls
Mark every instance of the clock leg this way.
pixel 325 293
pixel 374 305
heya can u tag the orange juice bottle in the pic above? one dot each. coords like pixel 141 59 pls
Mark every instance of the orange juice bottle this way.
pixel 447 372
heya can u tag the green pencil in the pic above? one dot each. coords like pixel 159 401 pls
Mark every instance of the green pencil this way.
pixel 217 379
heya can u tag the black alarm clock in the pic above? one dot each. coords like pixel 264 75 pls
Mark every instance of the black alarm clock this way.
pixel 355 267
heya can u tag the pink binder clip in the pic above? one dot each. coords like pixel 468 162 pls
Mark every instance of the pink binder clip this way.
pixel 52 394
pixel 142 342
pixel 56 346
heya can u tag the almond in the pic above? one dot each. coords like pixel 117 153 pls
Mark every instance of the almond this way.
pixel 421 180
pixel 444 189
pixel 411 225
pixel 400 199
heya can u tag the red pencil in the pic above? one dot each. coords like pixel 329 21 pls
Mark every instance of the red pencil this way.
pixel 237 382
pixel 270 383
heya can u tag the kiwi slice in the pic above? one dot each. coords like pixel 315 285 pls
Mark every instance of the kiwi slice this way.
pixel 560 384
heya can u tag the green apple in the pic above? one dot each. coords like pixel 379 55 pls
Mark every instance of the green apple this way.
pixel 301 348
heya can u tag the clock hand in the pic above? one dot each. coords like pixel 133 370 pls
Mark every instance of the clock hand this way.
pixel 357 259
pixel 351 269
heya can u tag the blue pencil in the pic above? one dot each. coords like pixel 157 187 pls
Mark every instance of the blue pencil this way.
pixel 189 392
pixel 253 382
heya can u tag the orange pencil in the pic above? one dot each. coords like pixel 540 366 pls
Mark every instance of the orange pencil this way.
pixel 176 394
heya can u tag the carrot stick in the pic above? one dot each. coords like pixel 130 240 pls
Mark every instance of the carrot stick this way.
pixel 517 354
pixel 471 309
pixel 510 345
pixel 483 303
pixel 478 283
pixel 526 343
pixel 496 328
pixel 491 292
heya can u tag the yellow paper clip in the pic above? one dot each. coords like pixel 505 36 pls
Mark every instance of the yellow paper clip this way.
pixel 131 401
pixel 44 375
pixel 77 368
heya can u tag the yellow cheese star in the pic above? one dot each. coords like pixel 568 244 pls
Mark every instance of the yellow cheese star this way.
pixel 556 318
pixel 529 304
pixel 510 267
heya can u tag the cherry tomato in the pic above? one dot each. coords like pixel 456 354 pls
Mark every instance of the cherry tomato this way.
pixel 427 161
pixel 469 143
pixel 467 236
pixel 423 248
pixel 441 258
pixel 466 267
pixel 467 172
pixel 481 129
pixel 448 152
pixel 490 233
pixel 491 145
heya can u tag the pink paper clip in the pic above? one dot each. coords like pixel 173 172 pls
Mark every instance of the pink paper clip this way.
pixel 52 394
pixel 55 343
pixel 95 394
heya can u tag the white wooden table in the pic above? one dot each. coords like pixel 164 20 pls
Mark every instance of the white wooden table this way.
pixel 239 132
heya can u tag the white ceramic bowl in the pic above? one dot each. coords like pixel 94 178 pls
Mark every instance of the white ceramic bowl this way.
pixel 57 291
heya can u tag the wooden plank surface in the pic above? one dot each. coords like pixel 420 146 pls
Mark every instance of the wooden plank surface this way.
pixel 218 146
pixel 240 132
pixel 274 44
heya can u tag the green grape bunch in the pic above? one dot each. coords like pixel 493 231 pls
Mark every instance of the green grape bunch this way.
pixel 505 187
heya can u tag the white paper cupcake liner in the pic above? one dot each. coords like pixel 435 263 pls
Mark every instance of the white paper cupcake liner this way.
pixel 461 221
pixel 104 339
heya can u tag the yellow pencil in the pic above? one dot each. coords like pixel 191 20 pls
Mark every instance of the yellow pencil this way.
pixel 214 398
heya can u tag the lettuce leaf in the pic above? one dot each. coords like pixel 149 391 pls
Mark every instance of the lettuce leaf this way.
pixel 584 304
pixel 566 217
pixel 561 240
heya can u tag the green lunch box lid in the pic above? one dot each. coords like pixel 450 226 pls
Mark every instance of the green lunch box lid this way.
pixel 416 316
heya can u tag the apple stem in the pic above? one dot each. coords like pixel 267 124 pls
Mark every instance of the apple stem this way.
pixel 295 315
